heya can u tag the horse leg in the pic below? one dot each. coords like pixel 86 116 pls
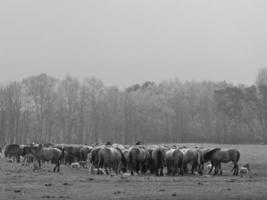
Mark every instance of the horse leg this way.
pixel 200 170
pixel 118 170
pixel 54 169
pixel 156 171
pixel 168 170
pixel 193 168
pixel 58 165
pixel 138 167
pixel 235 169
pixel 175 170
pixel 132 172
pixel 220 167
pixel 106 170
pixel 161 171
pixel 216 169
pixel 168 167
pixel 181 170
pixel 212 166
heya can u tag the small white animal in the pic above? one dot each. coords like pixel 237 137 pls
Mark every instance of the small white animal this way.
pixel 243 170
pixel 75 165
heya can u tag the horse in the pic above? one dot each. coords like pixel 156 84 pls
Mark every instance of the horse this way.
pixel 72 153
pixel 13 151
pixel 158 159
pixel 217 156
pixel 93 156
pixel 28 157
pixel 138 159
pixel 84 152
pixel 47 154
pixel 192 157
pixel 202 151
pixel 174 161
pixel 111 158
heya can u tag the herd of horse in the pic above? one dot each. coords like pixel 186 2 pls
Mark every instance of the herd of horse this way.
pixel 135 159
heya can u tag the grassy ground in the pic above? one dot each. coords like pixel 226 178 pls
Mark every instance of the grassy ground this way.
pixel 19 182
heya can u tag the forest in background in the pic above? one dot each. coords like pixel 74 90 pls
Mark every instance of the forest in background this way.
pixel 44 109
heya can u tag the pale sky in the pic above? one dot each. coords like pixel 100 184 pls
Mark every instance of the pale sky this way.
pixel 123 42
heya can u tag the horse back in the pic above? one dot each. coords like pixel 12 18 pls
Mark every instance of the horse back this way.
pixel 12 150
pixel 50 153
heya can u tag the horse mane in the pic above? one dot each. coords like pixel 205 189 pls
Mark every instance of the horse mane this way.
pixel 210 153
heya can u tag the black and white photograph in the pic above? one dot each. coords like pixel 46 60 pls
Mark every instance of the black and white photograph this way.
pixel 133 99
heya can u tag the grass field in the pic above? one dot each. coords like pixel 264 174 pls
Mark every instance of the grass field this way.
pixel 20 182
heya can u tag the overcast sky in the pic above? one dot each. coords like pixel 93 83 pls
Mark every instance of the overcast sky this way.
pixel 128 41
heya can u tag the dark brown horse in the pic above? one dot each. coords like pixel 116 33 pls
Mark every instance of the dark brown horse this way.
pixel 138 159
pixel 13 151
pixel 84 152
pixel 192 157
pixel 217 156
pixel 111 158
pixel 158 158
pixel 72 153
pixel 93 156
pixel 174 161
pixel 47 154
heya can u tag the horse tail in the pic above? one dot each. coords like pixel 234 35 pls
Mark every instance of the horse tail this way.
pixel 130 157
pixel 198 158
pixel 100 160
pixel 159 159
pixel 199 162
pixel 182 164
pixel 133 157
pixel 238 156
pixel 130 163
pixel 123 160
pixel 237 159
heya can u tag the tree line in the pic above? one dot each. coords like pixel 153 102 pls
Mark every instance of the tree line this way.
pixel 44 109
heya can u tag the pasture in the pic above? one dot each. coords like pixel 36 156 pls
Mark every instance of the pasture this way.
pixel 20 182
